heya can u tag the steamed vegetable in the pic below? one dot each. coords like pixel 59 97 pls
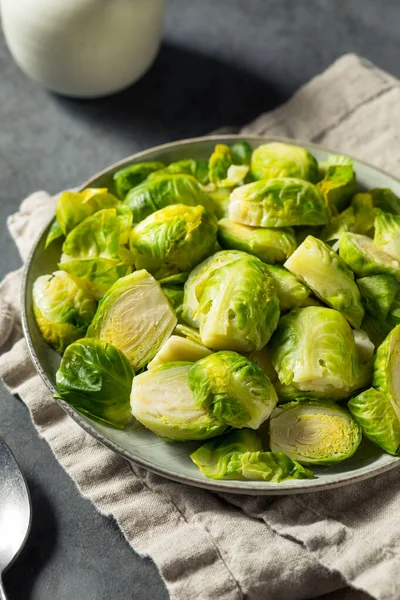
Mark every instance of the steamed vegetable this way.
pixel 178 349
pixel 364 259
pixel 283 160
pixel 322 270
pixel 314 432
pixel 162 401
pixel 387 233
pixel 63 307
pixel 129 177
pixel 386 200
pixel 378 293
pixel 222 170
pixel 313 349
pixel 233 388
pixel 96 379
pixel 290 291
pixel 268 244
pixel 338 186
pixel 197 168
pixel 174 239
pixel 281 202
pixel 135 316
pixel 238 307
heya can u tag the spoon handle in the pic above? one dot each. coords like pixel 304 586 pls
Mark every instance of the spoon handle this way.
pixel 2 592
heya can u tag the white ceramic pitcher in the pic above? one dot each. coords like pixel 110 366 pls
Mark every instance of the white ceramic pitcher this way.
pixel 83 48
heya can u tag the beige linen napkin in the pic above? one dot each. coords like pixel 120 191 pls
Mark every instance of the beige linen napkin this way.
pixel 213 546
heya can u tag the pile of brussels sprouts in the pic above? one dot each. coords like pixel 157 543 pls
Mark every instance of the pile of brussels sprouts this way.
pixel 252 298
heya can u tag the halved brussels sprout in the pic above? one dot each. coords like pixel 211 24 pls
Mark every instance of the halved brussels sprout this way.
pixel 232 388
pixel 238 306
pixel 363 208
pixel 222 170
pixel 188 332
pixel 269 245
pixel 319 267
pixel 387 367
pixel 278 203
pixel 63 307
pixel 241 152
pixel 387 233
pixel 338 186
pixel 99 274
pixel 378 419
pixel 96 379
pixel 174 239
pixel 195 284
pixel 283 160
pixel 220 199
pixel 238 455
pixel 150 196
pixel 290 291
pixel 378 293
pixel 314 432
pixel 334 160
pixel 129 177
pixel 313 349
pixel 386 200
pixel 178 349
pixel 162 401
pixel 189 166
pixel 95 237
pixel 135 316
pixel 360 254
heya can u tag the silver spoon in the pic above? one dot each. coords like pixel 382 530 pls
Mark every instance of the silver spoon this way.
pixel 15 511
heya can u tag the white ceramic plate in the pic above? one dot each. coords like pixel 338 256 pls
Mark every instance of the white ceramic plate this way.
pixel 140 445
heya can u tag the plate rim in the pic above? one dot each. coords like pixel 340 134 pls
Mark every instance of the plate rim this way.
pixel 207 484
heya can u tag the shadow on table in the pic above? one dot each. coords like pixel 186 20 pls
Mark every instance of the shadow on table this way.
pixel 184 94
pixel 19 581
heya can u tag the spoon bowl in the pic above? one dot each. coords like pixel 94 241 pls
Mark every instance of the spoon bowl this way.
pixel 15 510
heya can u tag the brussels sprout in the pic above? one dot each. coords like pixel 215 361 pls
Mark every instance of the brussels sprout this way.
pixel 174 239
pixel 290 291
pixel 222 170
pixel 363 208
pixel 175 297
pixel 263 360
pixel 197 168
pixel 233 389
pixel 365 347
pixel 238 455
pixel 345 221
pixel 150 196
pixel 334 160
pixel 283 160
pixel 378 419
pixel 278 203
pixel 378 293
pixel 96 237
pixel 314 350
pixel 386 200
pixel 220 199
pixel 270 245
pixel 129 177
pixel 387 233
pixel 318 266
pixel 175 279
pixel 99 274
pixel 314 432
pixel 241 153
pixel 179 349
pixel 188 332
pixel 238 307
pixel 134 316
pixel 63 308
pixel 376 330
pixel 195 284
pixel 162 401
pixel 393 317
pixel 55 232
pixel 96 379
pixel 360 254
pixel 338 186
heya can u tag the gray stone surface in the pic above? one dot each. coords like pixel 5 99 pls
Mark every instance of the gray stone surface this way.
pixel 222 62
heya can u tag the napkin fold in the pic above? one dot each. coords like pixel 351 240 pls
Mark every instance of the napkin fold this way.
pixel 219 546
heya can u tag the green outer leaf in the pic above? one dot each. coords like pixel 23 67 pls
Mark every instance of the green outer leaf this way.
pixel 378 293
pixel 232 388
pixel 379 422
pixel 220 458
pixel 363 207
pixel 190 166
pixel 96 379
pixel 55 232
pixel 364 258
pixel 162 401
pixel 376 330
pixel 322 270
pixel 74 207
pixel 129 177
pixel 269 245
pixel 95 237
pixel 281 202
pixel 290 291
pixel 345 221
pixel 331 435
pixel 276 159
pixel 387 233
pixel 99 273
pixel 386 200
pixel 150 196
pixel 387 366
pixel 272 466
pixel 220 161
pixel 238 306
pixel 333 160
pixel 241 152
pixel 338 186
